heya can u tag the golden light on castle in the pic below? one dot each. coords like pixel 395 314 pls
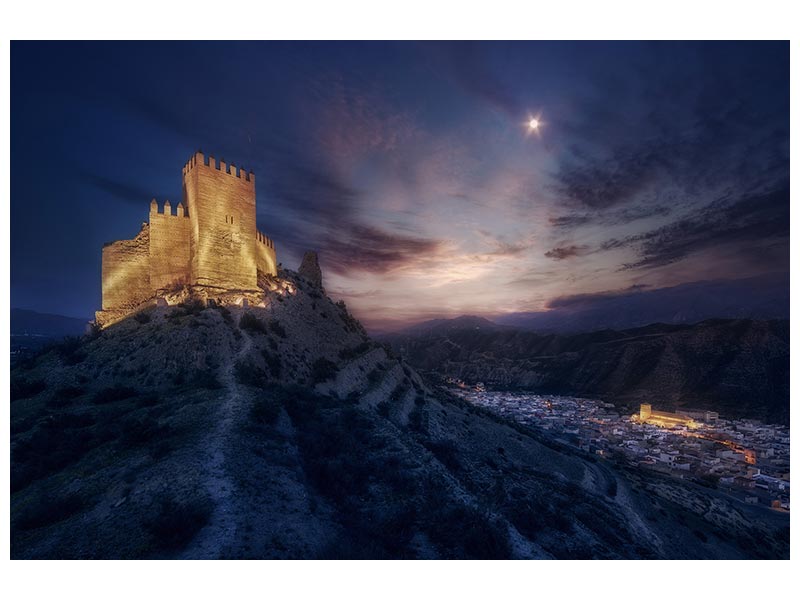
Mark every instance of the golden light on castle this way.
pixel 210 244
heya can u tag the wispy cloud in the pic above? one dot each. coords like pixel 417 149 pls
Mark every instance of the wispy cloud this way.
pixel 368 248
pixel 122 190
pixel 467 64
pixel 567 252
pixel 586 300
pixel 751 220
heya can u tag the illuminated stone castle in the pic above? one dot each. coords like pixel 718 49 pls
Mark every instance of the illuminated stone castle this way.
pixel 210 243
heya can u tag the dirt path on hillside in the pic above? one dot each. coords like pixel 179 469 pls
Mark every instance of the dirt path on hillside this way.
pixel 219 535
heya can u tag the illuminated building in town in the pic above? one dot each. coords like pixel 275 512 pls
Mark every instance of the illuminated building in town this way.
pixel 662 418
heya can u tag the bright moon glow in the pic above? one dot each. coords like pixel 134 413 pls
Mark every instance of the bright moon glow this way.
pixel 533 124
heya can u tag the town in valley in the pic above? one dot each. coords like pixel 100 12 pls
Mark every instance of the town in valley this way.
pixel 745 458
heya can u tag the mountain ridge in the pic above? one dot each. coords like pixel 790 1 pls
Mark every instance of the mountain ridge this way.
pixel 30 322
pixel 736 366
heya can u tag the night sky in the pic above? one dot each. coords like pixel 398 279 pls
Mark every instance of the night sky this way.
pixel 410 167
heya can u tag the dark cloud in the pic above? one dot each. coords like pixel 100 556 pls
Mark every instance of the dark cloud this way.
pixel 122 190
pixel 370 249
pixel 750 221
pixel 697 119
pixel 762 297
pixel 347 293
pixel 501 247
pixel 621 216
pixel 586 300
pixel 603 183
pixel 466 63
pixel 563 252
pixel 303 187
pixel 569 221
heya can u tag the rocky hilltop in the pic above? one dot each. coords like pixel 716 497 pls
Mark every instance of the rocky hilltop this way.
pixel 737 367
pixel 197 431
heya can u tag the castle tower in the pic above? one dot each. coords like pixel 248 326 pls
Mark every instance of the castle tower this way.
pixel 221 202
pixel 645 410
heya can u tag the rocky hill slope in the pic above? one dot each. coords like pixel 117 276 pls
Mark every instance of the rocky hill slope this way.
pixel 286 432
pixel 737 367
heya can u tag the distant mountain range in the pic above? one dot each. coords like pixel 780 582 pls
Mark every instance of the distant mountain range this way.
pixel 739 367
pixel 765 297
pixel 31 330
pixel 30 322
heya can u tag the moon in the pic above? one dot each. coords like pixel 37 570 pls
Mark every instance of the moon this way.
pixel 533 124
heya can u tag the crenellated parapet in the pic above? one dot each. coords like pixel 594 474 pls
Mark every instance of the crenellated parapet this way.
pixel 263 239
pixel 199 160
pixel 166 209
pixel 266 259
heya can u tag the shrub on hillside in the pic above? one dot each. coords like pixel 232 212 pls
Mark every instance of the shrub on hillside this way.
pixel 226 314
pixel 137 432
pixel 350 322
pixel 354 352
pixel 248 373
pixel 50 448
pixel 466 532
pixel 273 362
pixel 176 313
pixel 322 370
pixel 265 410
pixel 177 522
pixel 68 392
pixel 71 351
pixel 205 379
pixel 375 376
pixel 147 400
pixel 399 392
pixel 47 509
pixel 446 453
pixel 25 388
pixel 415 422
pixel 142 317
pixel 71 420
pixel 276 328
pixel 251 322
pixel 193 306
pixel 528 515
pixel 113 394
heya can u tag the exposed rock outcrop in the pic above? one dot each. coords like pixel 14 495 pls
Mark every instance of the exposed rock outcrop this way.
pixel 309 268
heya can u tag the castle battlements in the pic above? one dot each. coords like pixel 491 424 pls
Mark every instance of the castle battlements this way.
pixel 210 241
pixel 265 240
pixel 166 209
pixel 198 160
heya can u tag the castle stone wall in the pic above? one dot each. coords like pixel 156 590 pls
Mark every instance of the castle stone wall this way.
pixel 126 272
pixel 266 260
pixel 222 213
pixel 169 247
pixel 209 244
